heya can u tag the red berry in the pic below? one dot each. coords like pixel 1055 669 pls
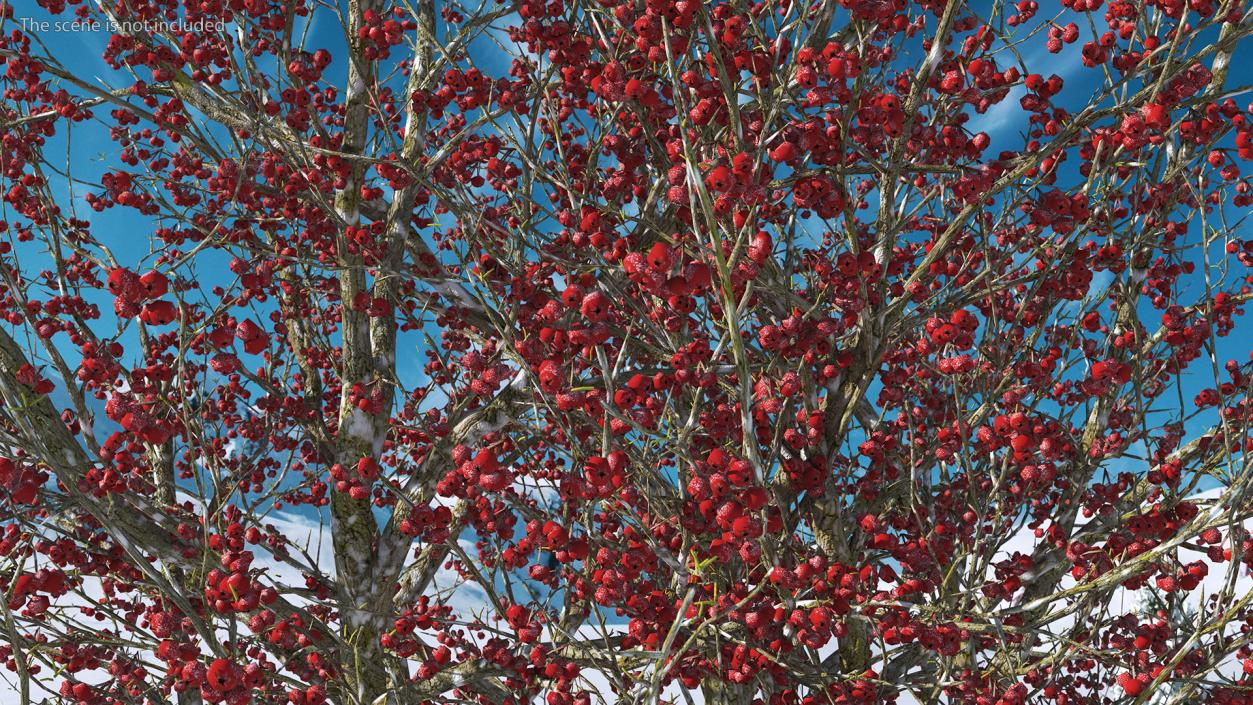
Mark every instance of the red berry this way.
pixel 595 307
pixel 785 152
pixel 944 334
pixel 1130 684
pixel 255 340
pixel 222 675
pixel 761 247
pixel 659 257
pixel 158 313
pixel 155 284
pixel 719 179
pixel 121 280
pixel 368 469
pixel 486 461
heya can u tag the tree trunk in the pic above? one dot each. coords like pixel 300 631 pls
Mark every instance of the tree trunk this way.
pixel 359 434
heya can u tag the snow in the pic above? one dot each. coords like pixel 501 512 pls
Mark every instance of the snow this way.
pixel 468 598
pixel 360 425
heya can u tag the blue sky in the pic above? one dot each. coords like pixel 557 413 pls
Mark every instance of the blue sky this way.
pixel 128 234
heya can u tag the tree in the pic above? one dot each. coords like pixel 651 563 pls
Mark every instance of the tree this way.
pixel 625 352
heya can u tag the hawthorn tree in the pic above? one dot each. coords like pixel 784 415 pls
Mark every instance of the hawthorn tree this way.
pixel 625 352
